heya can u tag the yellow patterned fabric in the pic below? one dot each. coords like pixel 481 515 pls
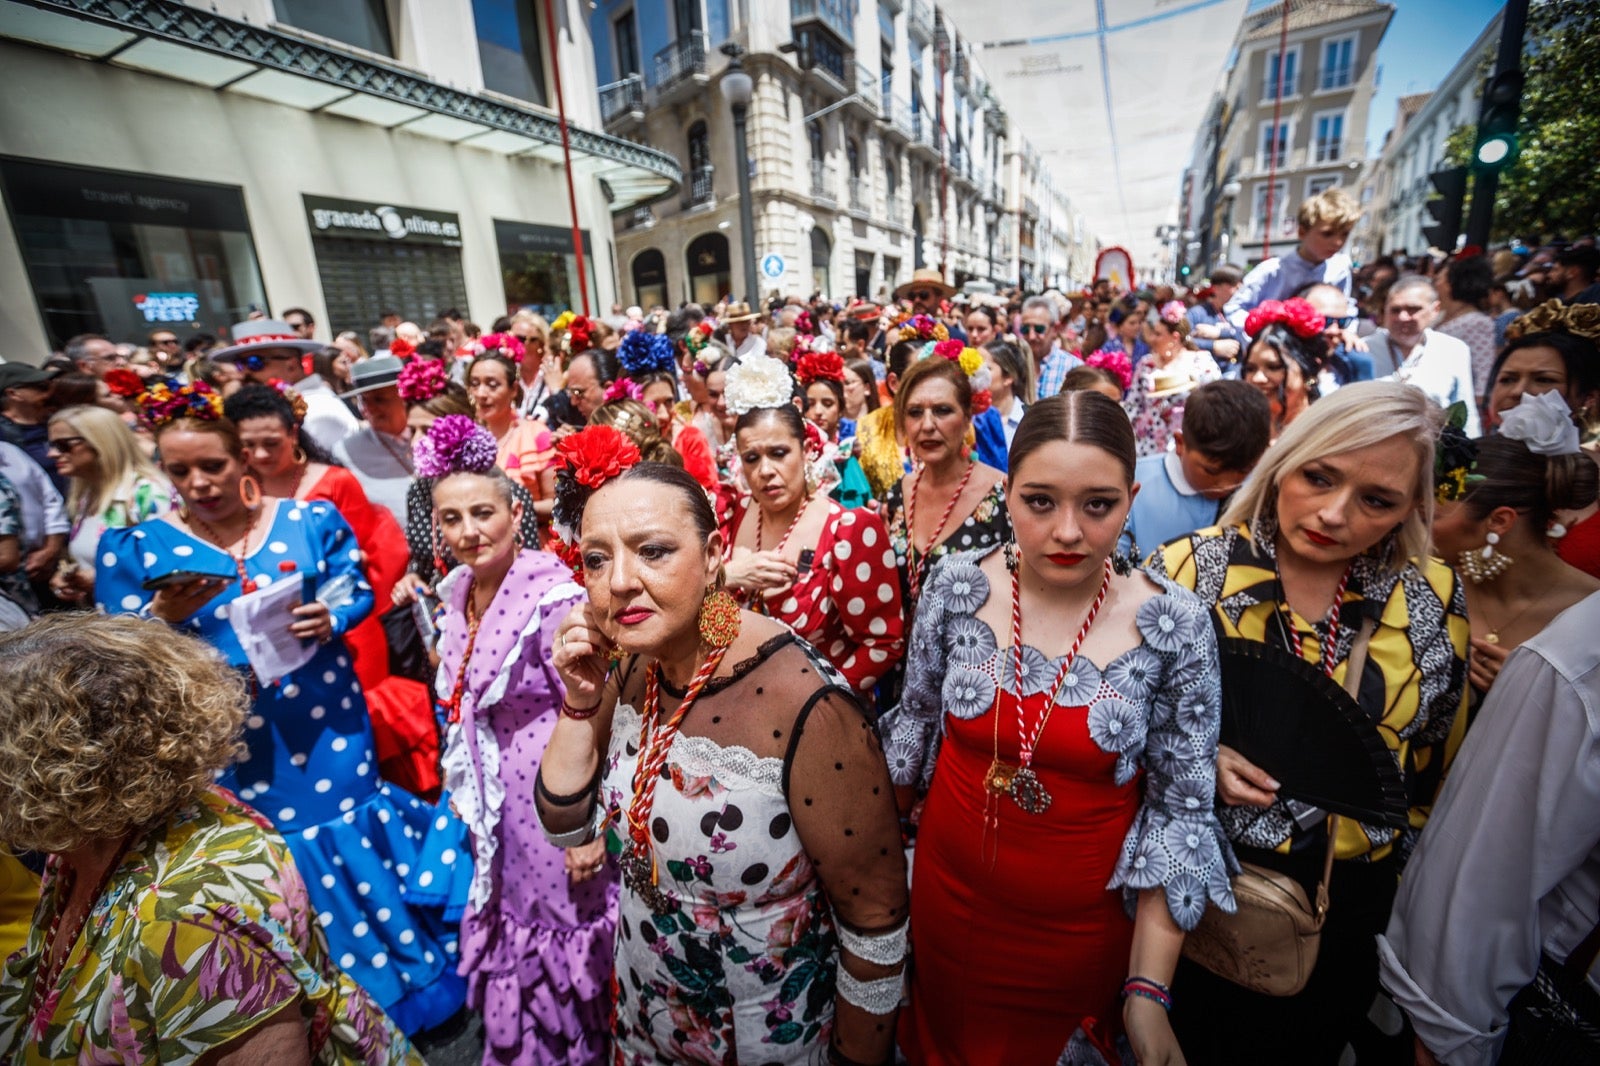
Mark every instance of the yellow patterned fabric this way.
pixel 1414 684
pixel 19 894
pixel 882 458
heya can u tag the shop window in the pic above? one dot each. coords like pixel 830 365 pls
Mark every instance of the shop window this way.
pixel 362 23
pixel 710 270
pixel 538 268
pixel 509 48
pixel 121 254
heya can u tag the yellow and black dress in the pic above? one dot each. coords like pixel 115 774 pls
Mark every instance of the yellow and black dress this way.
pixel 1414 687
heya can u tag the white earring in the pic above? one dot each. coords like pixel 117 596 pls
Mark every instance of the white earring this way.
pixel 1488 549
pixel 1556 531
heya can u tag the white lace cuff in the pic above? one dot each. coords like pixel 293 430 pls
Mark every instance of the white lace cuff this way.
pixel 875 997
pixel 884 949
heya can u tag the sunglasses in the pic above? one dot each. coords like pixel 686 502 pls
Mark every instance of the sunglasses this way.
pixel 1343 322
pixel 167 340
pixel 63 445
pixel 920 294
pixel 1032 327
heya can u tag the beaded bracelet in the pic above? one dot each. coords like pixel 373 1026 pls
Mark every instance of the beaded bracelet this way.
pixel 578 714
pixel 1154 991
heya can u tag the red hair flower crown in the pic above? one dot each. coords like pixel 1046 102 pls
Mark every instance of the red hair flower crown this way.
pixel 509 344
pixel 1295 315
pixel 124 382
pixel 819 366
pixel 585 461
pixel 401 348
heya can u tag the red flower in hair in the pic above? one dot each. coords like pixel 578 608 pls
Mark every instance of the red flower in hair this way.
pixel 819 366
pixel 124 382
pixel 597 454
pixel 580 334
pixel 401 348
pixel 948 349
pixel 982 400
pixel 1297 315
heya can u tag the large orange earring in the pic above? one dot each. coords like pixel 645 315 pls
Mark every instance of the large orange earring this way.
pixel 719 618
pixel 250 492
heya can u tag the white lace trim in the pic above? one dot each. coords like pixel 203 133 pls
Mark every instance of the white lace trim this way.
pixel 878 997
pixel 885 949
pixel 477 798
pixel 734 767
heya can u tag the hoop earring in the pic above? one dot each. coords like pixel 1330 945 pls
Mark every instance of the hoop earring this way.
pixel 300 455
pixel 250 492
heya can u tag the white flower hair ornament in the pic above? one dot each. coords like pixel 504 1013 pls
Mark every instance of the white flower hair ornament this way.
pixel 1544 423
pixel 757 381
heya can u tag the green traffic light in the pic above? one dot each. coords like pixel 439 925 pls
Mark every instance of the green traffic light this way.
pixel 1496 150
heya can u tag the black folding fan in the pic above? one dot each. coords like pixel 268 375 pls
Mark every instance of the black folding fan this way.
pixel 1283 714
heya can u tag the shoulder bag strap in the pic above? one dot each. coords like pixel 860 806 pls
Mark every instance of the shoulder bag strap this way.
pixel 1353 667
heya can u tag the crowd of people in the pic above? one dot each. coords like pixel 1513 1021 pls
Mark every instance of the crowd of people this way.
pixel 930 681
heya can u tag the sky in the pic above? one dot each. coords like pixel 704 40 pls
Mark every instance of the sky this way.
pixel 1424 40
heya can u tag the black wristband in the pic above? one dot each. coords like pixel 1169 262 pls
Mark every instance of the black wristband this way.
pixel 573 800
pixel 839 1058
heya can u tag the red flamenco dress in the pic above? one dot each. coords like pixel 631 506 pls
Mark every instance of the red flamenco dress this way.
pixel 403 726
pixel 846 604
pixel 1021 920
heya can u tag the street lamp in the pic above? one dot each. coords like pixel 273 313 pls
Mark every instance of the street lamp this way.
pixel 737 89
pixel 991 215
pixel 1230 193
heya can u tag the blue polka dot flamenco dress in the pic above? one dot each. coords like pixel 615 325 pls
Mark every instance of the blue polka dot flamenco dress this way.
pixel 387 894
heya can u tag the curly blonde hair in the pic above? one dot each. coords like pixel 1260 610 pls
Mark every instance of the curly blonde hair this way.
pixel 108 725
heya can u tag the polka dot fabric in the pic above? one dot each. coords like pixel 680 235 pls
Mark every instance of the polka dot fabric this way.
pixel 989 524
pixel 419 528
pixel 847 605
pixel 309 764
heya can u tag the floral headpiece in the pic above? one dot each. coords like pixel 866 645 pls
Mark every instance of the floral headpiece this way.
pixel 509 344
pixel 1543 423
pixel 819 366
pixel 698 337
pixel 1552 316
pixel 297 403
pixel 805 324
pixel 585 461
pixel 160 403
pixel 422 379
pixel 642 353
pixel 579 333
pixel 401 348
pixel 757 381
pixel 124 382
pixel 1455 457
pixel 1298 316
pixel 922 327
pixel 623 389
pixel 1116 363
pixel 970 360
pixel 1172 312
pixel 452 445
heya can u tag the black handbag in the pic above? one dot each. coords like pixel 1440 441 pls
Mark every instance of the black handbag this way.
pixel 1555 1021
pixel 408 652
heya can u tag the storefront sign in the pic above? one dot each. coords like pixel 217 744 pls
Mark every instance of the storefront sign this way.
pixel 353 218
pixel 167 306
pixel 527 237
pixel 51 191
pixel 129 308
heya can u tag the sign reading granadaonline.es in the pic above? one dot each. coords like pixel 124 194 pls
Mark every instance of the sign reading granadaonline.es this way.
pixel 372 221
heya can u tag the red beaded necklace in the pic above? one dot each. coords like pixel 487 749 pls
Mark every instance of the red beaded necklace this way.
pixel 246 583
pixel 1329 646
pixel 919 563
pixel 639 864
pixel 761 521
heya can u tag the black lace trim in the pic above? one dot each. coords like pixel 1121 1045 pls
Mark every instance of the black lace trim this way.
pixel 740 668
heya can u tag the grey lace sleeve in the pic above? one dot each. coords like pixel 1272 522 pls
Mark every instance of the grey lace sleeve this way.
pixel 1175 842
pixel 911 730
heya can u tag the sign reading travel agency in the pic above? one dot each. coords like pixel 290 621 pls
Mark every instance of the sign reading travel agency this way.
pixel 375 221
pixel 772 266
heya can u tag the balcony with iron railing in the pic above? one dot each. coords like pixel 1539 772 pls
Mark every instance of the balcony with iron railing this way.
pixel 898 112
pixel 867 86
pixel 860 194
pixel 639 218
pixel 701 188
pixel 919 21
pixel 622 99
pixel 837 16
pixel 684 60
pixel 821 188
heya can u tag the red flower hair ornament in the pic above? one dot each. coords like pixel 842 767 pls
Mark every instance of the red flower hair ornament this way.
pixel 124 382
pixel 819 366
pixel 401 348
pixel 1295 314
pixel 580 334
pixel 585 461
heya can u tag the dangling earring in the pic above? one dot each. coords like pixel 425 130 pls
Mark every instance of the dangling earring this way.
pixel 719 617
pixel 1485 564
pixel 300 455
pixel 250 492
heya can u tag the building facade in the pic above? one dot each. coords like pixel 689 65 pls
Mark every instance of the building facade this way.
pixel 1264 149
pixel 1416 147
pixel 875 147
pixel 179 166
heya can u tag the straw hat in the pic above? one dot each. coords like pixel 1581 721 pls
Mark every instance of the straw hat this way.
pixel 1171 382
pixel 925 278
pixel 739 311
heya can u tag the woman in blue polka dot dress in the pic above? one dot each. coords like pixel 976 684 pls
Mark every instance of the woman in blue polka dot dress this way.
pixel 308 761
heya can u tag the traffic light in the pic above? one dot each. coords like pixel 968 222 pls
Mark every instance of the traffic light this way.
pixel 1184 270
pixel 1444 208
pixel 1497 145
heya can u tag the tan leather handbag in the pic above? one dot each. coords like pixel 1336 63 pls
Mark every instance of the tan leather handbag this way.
pixel 1269 944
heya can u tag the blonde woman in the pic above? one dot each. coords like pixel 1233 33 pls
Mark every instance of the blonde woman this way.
pixel 112 485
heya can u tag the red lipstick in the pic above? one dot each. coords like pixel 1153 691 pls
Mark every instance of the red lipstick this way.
pixel 1067 558
pixel 1321 540
pixel 632 616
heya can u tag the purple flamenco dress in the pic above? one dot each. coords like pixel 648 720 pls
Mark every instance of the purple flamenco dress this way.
pixel 536 950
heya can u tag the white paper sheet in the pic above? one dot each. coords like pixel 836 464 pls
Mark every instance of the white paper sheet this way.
pixel 261 621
